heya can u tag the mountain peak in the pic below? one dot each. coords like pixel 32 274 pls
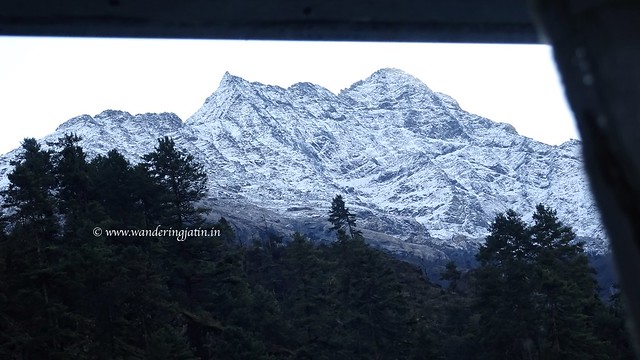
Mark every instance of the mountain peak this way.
pixel 386 74
pixel 228 84
pixel 229 80
pixel 73 122
pixel 395 76
pixel 389 87
pixel 113 115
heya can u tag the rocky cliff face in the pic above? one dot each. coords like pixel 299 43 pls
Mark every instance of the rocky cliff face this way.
pixel 421 173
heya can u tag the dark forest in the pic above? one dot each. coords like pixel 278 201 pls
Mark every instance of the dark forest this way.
pixel 66 293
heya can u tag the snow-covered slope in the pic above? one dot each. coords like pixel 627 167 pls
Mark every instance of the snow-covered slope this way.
pixel 410 162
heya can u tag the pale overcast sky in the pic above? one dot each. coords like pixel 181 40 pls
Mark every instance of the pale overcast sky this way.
pixel 46 81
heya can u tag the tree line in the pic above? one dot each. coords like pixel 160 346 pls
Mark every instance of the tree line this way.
pixel 67 294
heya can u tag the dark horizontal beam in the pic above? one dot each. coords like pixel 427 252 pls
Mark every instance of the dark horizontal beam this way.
pixel 501 21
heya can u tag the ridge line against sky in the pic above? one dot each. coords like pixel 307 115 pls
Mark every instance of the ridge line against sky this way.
pixel 46 81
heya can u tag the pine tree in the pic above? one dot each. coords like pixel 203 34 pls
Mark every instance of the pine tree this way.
pixel 504 283
pixel 567 294
pixel 342 220
pixel 182 179
pixel 537 295
pixel 53 308
pixel 76 194
pixel 26 251
pixel 38 322
pixel 371 307
pixel 30 192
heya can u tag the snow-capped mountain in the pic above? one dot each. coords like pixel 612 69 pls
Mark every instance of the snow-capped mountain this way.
pixel 420 172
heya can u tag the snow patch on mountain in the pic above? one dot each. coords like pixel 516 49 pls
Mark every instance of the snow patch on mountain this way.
pixel 411 163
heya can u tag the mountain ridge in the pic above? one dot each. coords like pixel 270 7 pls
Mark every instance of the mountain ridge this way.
pixel 411 163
